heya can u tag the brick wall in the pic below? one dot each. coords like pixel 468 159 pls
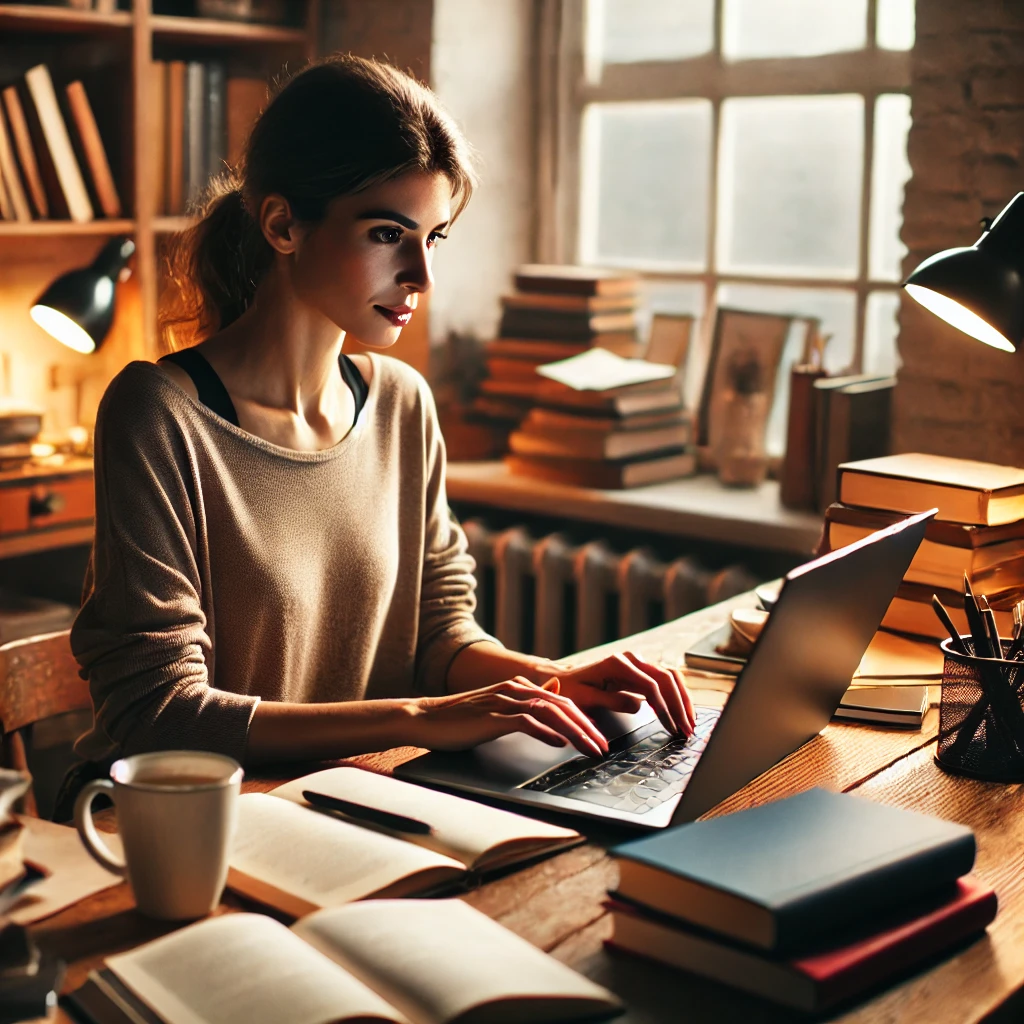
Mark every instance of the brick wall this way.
pixel 966 148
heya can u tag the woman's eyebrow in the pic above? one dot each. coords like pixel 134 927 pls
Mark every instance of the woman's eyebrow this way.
pixel 398 218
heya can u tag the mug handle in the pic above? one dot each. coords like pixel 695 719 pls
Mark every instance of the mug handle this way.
pixel 99 850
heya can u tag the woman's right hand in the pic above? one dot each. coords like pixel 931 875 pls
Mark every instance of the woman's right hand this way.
pixel 463 720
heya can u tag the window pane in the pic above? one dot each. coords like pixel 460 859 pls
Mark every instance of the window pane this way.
pixel 678 297
pixel 835 309
pixel 790 185
pixel 792 28
pixel 880 331
pixel 624 31
pixel 644 184
pixel 890 173
pixel 894 27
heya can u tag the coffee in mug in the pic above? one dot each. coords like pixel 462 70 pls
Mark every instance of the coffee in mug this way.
pixel 176 813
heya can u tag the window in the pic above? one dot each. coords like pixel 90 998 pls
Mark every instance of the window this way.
pixel 749 153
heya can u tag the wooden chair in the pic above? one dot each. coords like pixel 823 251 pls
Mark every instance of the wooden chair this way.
pixel 39 678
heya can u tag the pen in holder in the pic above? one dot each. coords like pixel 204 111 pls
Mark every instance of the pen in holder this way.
pixel 981 718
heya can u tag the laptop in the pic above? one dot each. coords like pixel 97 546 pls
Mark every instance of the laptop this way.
pixel 823 620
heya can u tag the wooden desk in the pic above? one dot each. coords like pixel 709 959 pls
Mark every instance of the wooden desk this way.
pixel 46 505
pixel 556 904
pixel 698 507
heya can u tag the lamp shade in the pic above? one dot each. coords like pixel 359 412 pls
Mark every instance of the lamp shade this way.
pixel 980 288
pixel 78 308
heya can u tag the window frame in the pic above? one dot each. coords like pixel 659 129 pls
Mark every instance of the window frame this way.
pixel 567 85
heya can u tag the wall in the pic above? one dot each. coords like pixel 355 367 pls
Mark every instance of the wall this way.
pixel 482 69
pixel 398 31
pixel 966 147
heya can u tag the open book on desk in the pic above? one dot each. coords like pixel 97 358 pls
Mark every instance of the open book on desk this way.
pixel 298 859
pixel 403 961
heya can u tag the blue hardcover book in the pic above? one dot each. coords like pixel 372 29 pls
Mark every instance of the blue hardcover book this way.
pixel 787 874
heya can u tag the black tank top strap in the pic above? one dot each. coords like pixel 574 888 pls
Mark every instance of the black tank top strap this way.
pixel 209 386
pixel 354 379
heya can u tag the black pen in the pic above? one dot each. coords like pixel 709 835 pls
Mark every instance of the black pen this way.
pixel 371 815
pixel 991 626
pixel 979 636
pixel 956 641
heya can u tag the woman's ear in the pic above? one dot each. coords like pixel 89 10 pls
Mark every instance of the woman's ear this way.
pixel 278 225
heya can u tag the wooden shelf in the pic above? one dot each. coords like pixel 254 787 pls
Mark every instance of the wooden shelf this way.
pixel 33 18
pixel 209 31
pixel 171 225
pixel 52 228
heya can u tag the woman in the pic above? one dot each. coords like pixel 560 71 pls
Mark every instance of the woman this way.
pixel 276 574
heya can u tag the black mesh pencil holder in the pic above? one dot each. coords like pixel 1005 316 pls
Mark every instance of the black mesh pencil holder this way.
pixel 981 717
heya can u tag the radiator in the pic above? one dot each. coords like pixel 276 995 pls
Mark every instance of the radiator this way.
pixel 552 596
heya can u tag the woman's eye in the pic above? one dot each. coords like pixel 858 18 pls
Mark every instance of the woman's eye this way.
pixel 388 236
pixel 434 238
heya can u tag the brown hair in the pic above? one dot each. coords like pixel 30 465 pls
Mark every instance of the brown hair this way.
pixel 340 125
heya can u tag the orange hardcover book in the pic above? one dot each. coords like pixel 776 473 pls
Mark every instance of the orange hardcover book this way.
pixel 26 154
pixel 176 137
pixel 92 147
pixel 158 132
pixel 13 203
pixel 246 99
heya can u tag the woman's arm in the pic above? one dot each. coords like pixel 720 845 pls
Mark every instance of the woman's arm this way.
pixel 281 731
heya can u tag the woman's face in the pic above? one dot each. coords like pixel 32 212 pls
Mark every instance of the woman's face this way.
pixel 366 264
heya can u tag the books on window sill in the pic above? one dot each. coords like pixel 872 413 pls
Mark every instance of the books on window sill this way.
pixel 398 961
pixel 53 161
pixel 808 901
pixel 201 121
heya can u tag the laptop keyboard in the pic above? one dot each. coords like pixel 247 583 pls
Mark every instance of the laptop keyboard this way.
pixel 640 776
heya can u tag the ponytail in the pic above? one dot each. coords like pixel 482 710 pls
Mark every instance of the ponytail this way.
pixel 341 125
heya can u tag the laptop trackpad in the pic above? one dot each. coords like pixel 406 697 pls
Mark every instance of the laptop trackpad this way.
pixel 517 757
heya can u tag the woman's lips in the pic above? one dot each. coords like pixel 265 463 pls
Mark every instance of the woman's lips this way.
pixel 397 316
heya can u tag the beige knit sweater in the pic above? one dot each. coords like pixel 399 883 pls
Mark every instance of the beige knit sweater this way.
pixel 227 569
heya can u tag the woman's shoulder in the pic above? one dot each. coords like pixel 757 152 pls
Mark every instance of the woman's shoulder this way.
pixel 142 397
pixel 401 382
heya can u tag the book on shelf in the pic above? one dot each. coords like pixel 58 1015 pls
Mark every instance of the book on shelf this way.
pixel 853 416
pixel 22 138
pixel 58 144
pixel 401 961
pixel 93 150
pixel 215 121
pixel 194 149
pixel 622 343
pixel 604 474
pixel 788 874
pixel 846 966
pixel 910 611
pixel 972 493
pixel 297 859
pixel 175 145
pixel 582 304
pixel 565 279
pixel 991 556
pixel 499 367
pixel 553 325
pixel 157 126
pixel 542 419
pixel 798 479
pixel 593 444
pixel 14 199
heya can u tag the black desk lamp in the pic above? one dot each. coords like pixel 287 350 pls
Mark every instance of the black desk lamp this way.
pixel 78 308
pixel 979 289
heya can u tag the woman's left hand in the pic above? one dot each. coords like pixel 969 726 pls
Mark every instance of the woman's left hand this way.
pixel 622 682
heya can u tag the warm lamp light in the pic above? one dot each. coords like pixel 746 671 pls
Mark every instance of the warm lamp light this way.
pixel 979 289
pixel 78 308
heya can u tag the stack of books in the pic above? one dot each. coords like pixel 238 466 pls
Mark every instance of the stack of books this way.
pixel 556 312
pixel 809 902
pixel 201 119
pixel 621 426
pixel 979 531
pixel 53 164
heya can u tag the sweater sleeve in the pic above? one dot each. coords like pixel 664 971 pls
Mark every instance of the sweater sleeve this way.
pixel 447 598
pixel 141 636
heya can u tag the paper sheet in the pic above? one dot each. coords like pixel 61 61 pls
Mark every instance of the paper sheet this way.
pixel 597 369
pixel 73 874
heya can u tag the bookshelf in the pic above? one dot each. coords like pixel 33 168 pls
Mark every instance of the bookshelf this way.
pixel 112 54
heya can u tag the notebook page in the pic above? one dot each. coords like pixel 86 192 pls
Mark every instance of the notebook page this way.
pixel 320 861
pixel 438 959
pixel 244 969
pixel 463 829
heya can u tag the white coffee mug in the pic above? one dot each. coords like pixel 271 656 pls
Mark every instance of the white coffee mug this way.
pixel 176 813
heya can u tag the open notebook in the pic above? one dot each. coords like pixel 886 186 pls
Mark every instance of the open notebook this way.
pixel 405 961
pixel 298 859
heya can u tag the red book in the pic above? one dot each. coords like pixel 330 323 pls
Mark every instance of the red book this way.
pixel 813 982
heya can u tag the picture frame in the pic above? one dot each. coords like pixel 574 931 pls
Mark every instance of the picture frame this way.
pixel 669 339
pixel 739 333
